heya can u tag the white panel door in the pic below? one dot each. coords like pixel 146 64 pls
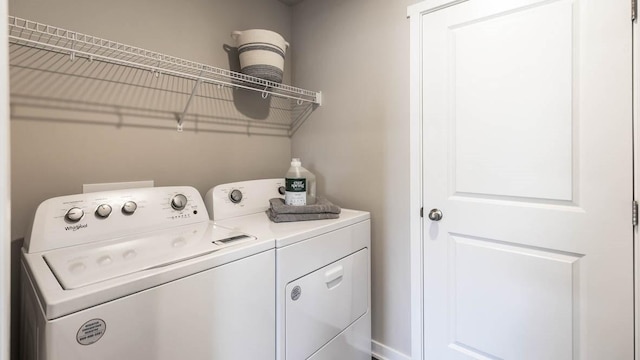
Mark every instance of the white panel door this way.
pixel 526 109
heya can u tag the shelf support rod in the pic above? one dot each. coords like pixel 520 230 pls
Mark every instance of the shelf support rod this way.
pixel 72 55
pixel 186 106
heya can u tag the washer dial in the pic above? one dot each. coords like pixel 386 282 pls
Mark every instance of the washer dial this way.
pixel 74 214
pixel 179 202
pixel 235 196
pixel 103 211
pixel 129 207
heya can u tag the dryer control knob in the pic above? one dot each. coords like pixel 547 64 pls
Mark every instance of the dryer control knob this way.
pixel 103 211
pixel 179 202
pixel 235 196
pixel 129 207
pixel 74 214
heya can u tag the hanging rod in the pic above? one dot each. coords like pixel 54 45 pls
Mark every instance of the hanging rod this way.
pixel 47 37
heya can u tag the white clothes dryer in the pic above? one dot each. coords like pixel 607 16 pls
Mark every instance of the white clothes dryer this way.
pixel 144 274
pixel 323 281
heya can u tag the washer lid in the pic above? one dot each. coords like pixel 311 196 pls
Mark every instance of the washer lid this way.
pixel 79 266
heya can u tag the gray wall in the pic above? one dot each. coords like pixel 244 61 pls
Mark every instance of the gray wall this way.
pixel 357 53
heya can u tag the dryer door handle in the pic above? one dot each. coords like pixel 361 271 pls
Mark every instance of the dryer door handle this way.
pixel 333 277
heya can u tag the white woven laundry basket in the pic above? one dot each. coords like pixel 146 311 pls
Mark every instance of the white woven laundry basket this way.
pixel 261 53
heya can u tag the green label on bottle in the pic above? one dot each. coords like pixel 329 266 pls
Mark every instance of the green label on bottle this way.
pixel 296 185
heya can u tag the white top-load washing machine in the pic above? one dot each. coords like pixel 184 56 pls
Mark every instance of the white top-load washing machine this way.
pixel 322 272
pixel 144 274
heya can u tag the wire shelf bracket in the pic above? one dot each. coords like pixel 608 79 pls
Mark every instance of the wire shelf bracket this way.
pixel 186 106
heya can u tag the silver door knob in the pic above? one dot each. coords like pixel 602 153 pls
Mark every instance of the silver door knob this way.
pixel 435 215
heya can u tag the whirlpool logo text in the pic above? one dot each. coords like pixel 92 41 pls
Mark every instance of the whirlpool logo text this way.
pixel 75 227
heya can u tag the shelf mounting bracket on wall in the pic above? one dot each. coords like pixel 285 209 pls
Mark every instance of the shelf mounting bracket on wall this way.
pixel 72 55
pixel 186 106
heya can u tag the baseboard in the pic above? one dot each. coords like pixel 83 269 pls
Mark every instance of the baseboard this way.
pixel 383 352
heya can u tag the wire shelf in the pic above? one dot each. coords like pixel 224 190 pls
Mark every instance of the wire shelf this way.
pixel 65 62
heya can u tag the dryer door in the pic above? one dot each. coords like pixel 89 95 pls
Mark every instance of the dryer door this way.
pixel 320 305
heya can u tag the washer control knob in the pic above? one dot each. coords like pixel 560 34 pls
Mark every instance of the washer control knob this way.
pixel 179 202
pixel 129 207
pixel 235 196
pixel 74 214
pixel 281 190
pixel 103 211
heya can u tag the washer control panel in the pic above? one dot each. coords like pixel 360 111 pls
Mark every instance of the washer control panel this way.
pixel 81 218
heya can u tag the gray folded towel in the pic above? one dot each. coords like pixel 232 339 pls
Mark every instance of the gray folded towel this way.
pixel 275 217
pixel 322 209
pixel 322 206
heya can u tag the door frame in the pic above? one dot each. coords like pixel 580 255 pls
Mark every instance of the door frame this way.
pixel 5 190
pixel 416 229
pixel 414 13
pixel 636 182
